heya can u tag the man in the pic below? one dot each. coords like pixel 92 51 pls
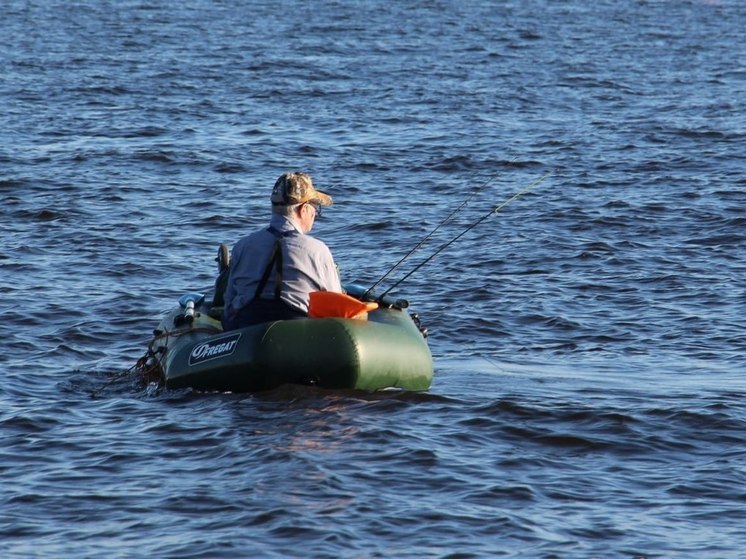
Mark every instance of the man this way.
pixel 273 270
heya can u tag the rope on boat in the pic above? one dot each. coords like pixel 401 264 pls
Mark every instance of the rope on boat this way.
pixel 148 368
pixel 96 393
pixel 150 365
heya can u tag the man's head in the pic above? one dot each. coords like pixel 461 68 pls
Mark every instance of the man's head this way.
pixel 294 196
pixel 297 188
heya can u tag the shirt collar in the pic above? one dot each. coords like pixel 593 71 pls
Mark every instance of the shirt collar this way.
pixel 283 223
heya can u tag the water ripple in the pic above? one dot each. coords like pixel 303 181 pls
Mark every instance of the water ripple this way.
pixel 587 338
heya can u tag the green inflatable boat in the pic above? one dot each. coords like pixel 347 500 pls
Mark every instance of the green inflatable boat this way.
pixel 386 350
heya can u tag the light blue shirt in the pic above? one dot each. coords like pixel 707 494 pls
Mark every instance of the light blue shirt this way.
pixel 307 265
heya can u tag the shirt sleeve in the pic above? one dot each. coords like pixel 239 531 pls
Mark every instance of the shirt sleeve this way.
pixel 329 279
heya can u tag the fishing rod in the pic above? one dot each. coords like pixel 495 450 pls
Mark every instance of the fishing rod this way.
pixel 437 227
pixel 445 245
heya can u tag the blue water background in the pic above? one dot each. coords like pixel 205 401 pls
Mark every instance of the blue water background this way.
pixel 589 340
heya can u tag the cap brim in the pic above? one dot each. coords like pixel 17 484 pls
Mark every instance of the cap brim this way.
pixel 322 198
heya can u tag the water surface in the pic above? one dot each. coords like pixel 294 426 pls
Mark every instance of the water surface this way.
pixel 588 340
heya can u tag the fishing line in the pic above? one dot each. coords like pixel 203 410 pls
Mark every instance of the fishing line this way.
pixel 427 237
pixel 493 211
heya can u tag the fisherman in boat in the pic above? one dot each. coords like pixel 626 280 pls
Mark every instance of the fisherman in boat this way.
pixel 273 270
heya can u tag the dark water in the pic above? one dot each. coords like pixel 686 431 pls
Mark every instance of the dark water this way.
pixel 589 341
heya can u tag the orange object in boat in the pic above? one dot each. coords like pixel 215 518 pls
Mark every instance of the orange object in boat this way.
pixel 327 304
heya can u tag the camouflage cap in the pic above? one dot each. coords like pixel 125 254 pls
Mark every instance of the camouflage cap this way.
pixel 297 188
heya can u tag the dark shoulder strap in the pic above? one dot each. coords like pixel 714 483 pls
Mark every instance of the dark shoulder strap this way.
pixel 276 249
pixel 281 234
pixel 275 260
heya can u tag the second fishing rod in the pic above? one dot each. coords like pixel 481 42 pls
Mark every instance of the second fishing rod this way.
pixel 494 210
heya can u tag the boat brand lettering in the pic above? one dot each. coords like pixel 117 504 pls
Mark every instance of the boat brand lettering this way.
pixel 213 349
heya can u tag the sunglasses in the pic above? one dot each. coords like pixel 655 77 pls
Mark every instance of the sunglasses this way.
pixel 317 208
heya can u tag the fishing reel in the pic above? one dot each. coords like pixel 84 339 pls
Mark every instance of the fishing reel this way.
pixel 360 292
